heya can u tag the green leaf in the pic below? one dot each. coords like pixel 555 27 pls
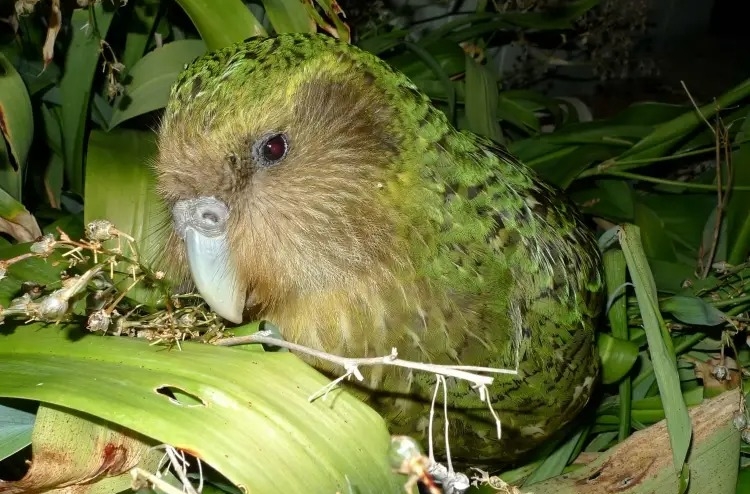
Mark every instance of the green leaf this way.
pixel 655 243
pixel 611 199
pixel 152 77
pixel 41 271
pixel 693 310
pixel 289 16
pixel 222 23
pixel 648 113
pixel 87 27
pixel 561 17
pixel 16 126
pixel 555 463
pixel 254 423
pixel 513 111
pixel 120 188
pixel 665 136
pixel 684 230
pixel 36 76
pixel 449 56
pixel 618 357
pixel 141 27
pixel 737 219
pixel 615 273
pixel 659 344
pixel 564 169
pixel 481 101
pixel 15 429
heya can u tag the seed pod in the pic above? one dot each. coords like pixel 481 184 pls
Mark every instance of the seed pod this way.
pixel 99 321
pixel 740 421
pixel 720 372
pixel 100 230
pixel 53 306
pixel 44 245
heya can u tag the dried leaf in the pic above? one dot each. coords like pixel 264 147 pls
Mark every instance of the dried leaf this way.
pixel 55 20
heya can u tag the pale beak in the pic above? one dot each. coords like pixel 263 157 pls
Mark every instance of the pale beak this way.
pixel 202 224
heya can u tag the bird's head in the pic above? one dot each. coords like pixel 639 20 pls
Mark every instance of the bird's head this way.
pixel 279 160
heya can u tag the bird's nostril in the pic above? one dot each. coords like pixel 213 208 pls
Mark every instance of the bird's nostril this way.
pixel 210 217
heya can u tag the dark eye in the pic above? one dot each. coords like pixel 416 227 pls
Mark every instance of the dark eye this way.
pixel 271 149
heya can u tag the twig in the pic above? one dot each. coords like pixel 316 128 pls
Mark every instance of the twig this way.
pixel 158 483
pixel 352 363
pixel 720 139
pixel 697 108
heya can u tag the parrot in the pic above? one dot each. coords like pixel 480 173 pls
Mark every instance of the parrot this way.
pixel 310 185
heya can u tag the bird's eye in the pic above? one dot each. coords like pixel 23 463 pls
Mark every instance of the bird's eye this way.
pixel 271 149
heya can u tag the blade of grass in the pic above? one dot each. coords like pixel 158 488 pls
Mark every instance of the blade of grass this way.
pixel 659 344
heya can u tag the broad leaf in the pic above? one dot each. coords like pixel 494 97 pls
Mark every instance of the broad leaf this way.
pixel 246 414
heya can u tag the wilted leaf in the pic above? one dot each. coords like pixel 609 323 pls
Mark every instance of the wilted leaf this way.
pixel 53 27
pixel 332 10
pixel 72 450
pixel 706 372
pixel 16 221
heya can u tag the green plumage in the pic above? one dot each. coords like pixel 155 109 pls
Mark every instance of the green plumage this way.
pixel 386 227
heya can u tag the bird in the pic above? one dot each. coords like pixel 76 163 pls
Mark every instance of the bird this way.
pixel 313 186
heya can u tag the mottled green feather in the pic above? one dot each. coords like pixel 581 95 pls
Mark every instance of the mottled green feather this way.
pixel 492 267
